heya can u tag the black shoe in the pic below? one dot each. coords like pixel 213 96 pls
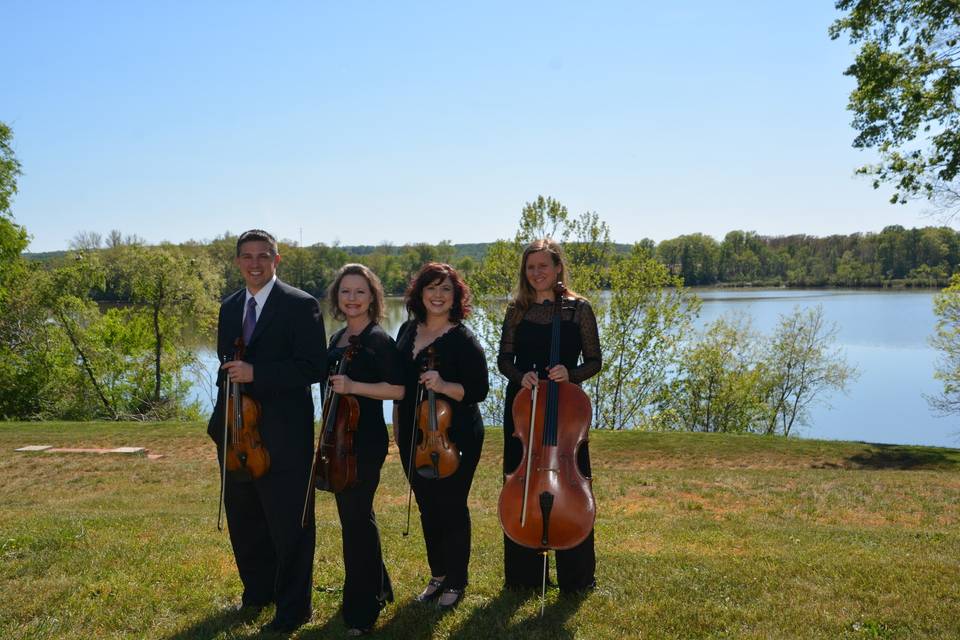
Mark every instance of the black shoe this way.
pixel 579 591
pixel 445 604
pixel 284 626
pixel 431 592
pixel 246 609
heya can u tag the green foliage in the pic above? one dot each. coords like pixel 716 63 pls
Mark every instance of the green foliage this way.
pixel 642 320
pixel 643 323
pixel 9 170
pixel 24 362
pixel 491 283
pixel 695 258
pixel 946 306
pixel 733 380
pixel 30 347
pixel 174 294
pixel 721 385
pixel 905 102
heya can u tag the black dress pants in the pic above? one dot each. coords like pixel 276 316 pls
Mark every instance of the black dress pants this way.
pixel 444 514
pixel 274 553
pixel 367 584
pixel 523 566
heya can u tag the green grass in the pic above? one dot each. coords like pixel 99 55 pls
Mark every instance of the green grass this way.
pixel 698 536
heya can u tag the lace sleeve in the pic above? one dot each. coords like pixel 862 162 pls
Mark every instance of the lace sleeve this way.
pixel 506 356
pixel 590 345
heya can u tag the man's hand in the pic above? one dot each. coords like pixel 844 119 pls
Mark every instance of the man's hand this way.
pixel 238 371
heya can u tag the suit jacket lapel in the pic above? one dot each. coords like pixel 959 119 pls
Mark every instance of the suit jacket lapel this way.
pixel 234 325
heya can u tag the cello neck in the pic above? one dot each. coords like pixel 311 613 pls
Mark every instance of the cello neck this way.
pixel 553 392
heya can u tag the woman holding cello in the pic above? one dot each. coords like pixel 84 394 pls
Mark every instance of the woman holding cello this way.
pixel 524 358
pixel 373 374
pixel 440 432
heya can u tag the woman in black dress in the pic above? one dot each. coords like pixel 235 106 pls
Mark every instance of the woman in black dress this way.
pixel 438 300
pixel 525 346
pixel 374 375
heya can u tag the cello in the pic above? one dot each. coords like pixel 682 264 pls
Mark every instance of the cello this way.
pixel 244 455
pixel 335 463
pixel 546 502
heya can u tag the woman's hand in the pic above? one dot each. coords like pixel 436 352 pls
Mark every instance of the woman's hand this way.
pixel 432 381
pixel 558 373
pixel 530 380
pixel 343 385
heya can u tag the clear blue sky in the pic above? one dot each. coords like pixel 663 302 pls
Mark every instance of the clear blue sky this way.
pixel 361 122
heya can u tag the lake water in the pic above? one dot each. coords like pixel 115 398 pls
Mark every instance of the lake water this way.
pixel 883 333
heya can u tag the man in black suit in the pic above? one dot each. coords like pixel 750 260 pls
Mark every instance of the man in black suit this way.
pixel 285 353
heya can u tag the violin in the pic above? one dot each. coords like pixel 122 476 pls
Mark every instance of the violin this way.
pixel 435 456
pixel 546 503
pixel 335 463
pixel 244 455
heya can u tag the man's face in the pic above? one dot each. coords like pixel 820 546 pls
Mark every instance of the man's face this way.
pixel 257 263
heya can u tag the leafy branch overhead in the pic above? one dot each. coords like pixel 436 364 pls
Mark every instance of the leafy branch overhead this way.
pixel 905 103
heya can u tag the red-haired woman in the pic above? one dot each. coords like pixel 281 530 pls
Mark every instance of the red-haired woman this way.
pixel 524 351
pixel 438 300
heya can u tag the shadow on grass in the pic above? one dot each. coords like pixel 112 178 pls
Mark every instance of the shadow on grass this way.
pixel 413 620
pixel 493 619
pixel 224 621
pixel 891 456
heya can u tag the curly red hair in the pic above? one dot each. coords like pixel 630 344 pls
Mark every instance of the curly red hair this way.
pixel 435 272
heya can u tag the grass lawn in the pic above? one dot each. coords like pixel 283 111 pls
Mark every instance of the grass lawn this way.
pixel 698 536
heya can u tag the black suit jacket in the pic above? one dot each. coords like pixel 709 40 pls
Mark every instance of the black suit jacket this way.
pixel 288 354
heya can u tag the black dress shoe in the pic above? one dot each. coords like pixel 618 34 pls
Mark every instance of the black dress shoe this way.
pixel 445 603
pixel 431 592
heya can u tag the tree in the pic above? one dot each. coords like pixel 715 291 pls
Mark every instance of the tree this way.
pixel 641 320
pixel 905 103
pixel 801 366
pixel 642 326
pixel 13 237
pixel 946 306
pixel 176 292
pixel 720 386
pixel 87 241
pixel 24 366
pixel 9 170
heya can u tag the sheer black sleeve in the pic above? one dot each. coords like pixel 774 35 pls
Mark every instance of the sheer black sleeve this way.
pixel 506 357
pixel 590 344
pixel 473 368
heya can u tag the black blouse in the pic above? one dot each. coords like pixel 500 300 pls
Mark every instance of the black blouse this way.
pixel 527 343
pixel 460 359
pixel 377 361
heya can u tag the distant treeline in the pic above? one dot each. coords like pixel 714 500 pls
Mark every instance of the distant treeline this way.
pixel 899 257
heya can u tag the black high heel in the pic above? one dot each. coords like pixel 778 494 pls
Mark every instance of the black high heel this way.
pixel 450 605
pixel 431 592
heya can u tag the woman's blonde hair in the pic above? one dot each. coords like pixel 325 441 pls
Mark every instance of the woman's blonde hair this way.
pixel 376 310
pixel 524 295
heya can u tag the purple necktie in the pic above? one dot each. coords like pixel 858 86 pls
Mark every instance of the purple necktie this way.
pixel 249 320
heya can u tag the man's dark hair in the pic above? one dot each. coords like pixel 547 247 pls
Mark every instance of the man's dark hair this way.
pixel 254 235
